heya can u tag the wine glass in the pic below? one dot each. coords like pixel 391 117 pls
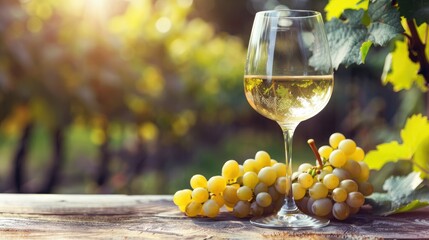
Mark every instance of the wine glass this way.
pixel 288 79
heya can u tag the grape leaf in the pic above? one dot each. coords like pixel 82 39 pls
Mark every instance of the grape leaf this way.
pixel 403 193
pixel 417 9
pixel 415 131
pixel 346 36
pixel 421 158
pixel 336 7
pixel 364 48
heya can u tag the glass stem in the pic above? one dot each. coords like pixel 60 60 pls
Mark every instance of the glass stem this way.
pixel 289 206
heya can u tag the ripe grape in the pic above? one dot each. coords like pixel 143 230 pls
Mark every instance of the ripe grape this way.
pixel 364 172
pixel 245 193
pixel 298 191
pixel 305 179
pixel 198 180
pixel 281 185
pixel 193 209
pixel 331 181
pixel 337 158
pixel 353 168
pixel 241 209
pixel 250 179
pixel 304 167
pixel 219 199
pixel 280 169
pixel 325 151
pixel 365 188
pixel 200 195
pixel 182 197
pixel 322 207
pixel 335 139
pixel 273 193
pixel 267 175
pixel 230 194
pixel 250 166
pixel 216 184
pixel 348 146
pixel 272 162
pixel 263 199
pixel 349 185
pixel 230 169
pixel 318 191
pixel 340 210
pixel 339 195
pixel 355 199
pixel 260 187
pixel 210 208
pixel 263 159
pixel 358 155
pixel 341 173
pixel 256 210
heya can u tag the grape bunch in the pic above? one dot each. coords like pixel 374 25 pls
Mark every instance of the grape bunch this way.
pixel 336 186
pixel 254 188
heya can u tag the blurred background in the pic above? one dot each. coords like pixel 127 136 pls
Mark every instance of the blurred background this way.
pixel 134 97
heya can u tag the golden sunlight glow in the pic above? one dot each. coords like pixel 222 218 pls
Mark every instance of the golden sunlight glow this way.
pixel 95 9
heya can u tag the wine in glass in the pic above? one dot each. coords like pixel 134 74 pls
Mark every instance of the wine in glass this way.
pixel 288 79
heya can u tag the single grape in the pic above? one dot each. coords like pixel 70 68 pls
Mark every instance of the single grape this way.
pixel 250 179
pixel 353 168
pixel 210 208
pixel 200 195
pixel 318 191
pixel 364 172
pixel 339 195
pixel 256 210
pixel 198 180
pixel 325 151
pixel 355 199
pixel 365 188
pixel 260 187
pixel 322 207
pixel 250 166
pixel 263 159
pixel 272 162
pixel 348 146
pixel 298 191
pixel 358 155
pixel 216 184
pixel 241 209
pixel 267 175
pixel 280 169
pixel 193 209
pixel 304 167
pixel 273 193
pixel 302 204
pixel 341 210
pixel 230 169
pixel 305 179
pixel 230 194
pixel 219 199
pixel 337 158
pixel 341 173
pixel 182 197
pixel 281 185
pixel 349 185
pixel 331 181
pixel 182 208
pixel 263 199
pixel 245 193
pixel 335 139
pixel 310 205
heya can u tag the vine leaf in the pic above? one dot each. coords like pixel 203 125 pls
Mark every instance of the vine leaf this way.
pixel 417 9
pixel 379 24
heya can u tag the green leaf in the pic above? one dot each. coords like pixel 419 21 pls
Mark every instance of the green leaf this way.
pixel 364 49
pixel 346 36
pixel 403 193
pixel 417 9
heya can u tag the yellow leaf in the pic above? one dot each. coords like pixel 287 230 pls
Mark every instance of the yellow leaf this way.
pixel 386 152
pixel 336 7
pixel 421 158
pixel 415 131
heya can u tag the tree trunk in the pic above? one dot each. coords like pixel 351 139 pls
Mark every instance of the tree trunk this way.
pixel 20 156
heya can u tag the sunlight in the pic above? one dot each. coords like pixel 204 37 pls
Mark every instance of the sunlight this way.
pixel 96 10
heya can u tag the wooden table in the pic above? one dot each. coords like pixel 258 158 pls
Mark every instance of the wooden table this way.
pixel 155 217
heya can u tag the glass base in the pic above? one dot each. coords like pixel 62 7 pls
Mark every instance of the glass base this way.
pixel 296 220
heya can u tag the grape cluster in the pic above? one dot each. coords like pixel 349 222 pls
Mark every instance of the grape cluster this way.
pixel 254 188
pixel 337 185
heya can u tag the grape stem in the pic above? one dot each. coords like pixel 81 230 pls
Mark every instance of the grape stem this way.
pixel 313 147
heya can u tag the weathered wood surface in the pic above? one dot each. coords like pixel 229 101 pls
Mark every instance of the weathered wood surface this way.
pixel 156 217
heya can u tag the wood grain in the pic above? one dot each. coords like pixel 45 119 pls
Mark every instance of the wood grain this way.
pixel 156 217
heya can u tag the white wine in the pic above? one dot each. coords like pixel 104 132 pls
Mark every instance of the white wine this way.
pixel 288 99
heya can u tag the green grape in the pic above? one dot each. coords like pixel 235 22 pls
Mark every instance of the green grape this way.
pixel 335 139
pixel 281 185
pixel 280 169
pixel 245 193
pixel 263 159
pixel 337 158
pixel 331 181
pixel 322 207
pixel 216 184
pixel 182 197
pixel 250 179
pixel 339 195
pixel 256 210
pixel 230 194
pixel 348 146
pixel 273 193
pixel 241 209
pixel 341 210
pixel 267 175
pixel 318 191
pixel 200 195
pixel 263 199
pixel 305 179
pixel 230 169
pixel 219 199
pixel 358 155
pixel 304 167
pixel 198 180
pixel 298 191
pixel 250 166
pixel 272 162
pixel 353 168
pixel 341 173
pixel 355 199
pixel 210 208
pixel 260 187
pixel 193 209
pixel 349 185
pixel 364 172
pixel 325 151
pixel 365 188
